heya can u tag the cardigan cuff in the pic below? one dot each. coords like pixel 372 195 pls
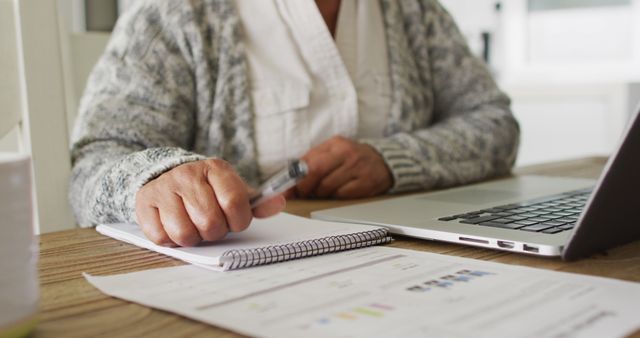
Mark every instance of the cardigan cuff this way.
pixel 408 174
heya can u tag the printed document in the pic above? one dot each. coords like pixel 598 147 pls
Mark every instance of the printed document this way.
pixel 388 292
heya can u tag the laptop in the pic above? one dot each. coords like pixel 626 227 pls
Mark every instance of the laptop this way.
pixel 547 216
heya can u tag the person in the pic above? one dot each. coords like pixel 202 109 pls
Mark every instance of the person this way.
pixel 194 103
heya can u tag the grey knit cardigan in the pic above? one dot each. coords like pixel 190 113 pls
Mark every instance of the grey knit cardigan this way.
pixel 172 87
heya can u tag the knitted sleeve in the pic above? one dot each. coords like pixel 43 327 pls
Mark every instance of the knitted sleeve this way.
pixel 472 135
pixel 137 114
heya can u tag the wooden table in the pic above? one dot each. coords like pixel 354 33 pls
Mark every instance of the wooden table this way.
pixel 72 307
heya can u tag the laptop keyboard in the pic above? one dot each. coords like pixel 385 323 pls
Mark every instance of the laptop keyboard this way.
pixel 549 215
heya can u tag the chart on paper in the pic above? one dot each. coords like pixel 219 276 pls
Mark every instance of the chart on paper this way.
pixel 380 292
pixel 348 299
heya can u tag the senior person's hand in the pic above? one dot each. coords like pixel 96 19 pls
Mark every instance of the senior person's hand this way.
pixel 198 201
pixel 342 168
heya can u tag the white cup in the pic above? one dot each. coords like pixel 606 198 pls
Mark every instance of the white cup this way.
pixel 18 247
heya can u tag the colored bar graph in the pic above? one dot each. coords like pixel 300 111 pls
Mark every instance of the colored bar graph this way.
pixel 368 312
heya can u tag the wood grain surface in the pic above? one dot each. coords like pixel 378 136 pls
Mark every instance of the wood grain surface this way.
pixel 71 307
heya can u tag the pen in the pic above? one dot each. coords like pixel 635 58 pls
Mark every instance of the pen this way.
pixel 280 182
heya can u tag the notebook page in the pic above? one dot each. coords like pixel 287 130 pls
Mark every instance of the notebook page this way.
pixel 277 230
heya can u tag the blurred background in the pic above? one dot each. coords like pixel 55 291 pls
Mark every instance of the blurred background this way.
pixel 571 67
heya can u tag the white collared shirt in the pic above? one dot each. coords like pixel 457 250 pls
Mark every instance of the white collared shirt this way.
pixel 306 87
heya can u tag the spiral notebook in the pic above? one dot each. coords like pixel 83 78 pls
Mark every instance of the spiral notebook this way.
pixel 276 239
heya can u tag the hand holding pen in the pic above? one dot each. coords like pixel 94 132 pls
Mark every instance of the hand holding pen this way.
pixel 280 182
pixel 204 200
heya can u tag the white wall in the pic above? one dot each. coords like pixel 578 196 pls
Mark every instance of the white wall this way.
pixel 581 45
pixel 569 121
pixel 587 36
pixel 572 73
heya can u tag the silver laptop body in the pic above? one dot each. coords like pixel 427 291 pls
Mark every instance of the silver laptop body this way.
pixel 609 215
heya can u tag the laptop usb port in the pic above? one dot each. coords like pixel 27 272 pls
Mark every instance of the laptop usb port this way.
pixel 506 245
pixel 529 248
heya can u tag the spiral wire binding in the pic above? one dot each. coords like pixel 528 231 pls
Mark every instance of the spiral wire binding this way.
pixel 244 258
